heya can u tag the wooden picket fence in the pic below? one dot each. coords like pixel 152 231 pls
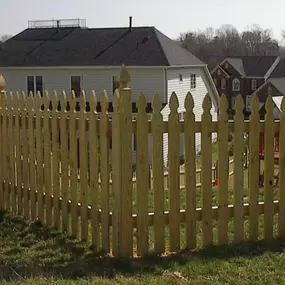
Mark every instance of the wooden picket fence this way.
pixel 42 178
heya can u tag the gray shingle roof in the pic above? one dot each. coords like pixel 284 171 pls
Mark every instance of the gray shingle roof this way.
pixel 279 70
pixel 252 66
pixel 143 46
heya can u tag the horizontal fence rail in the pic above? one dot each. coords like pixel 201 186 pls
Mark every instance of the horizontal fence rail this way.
pixel 76 170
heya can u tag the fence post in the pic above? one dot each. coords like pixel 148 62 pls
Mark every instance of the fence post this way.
pixel 2 90
pixel 122 167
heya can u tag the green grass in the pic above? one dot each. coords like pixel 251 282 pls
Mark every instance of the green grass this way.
pixel 31 254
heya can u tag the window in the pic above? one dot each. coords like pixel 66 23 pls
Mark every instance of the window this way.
pixel 180 78
pixel 219 83
pixel 223 84
pixel 253 84
pixel 215 81
pixel 226 65
pixel 236 85
pixel 219 72
pixel 76 85
pixel 180 116
pixel 31 84
pixel 35 84
pixel 115 83
pixel 193 81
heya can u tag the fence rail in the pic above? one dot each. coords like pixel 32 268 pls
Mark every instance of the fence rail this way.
pixel 98 198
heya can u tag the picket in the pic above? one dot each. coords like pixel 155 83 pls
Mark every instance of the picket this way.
pixel 47 160
pixel 39 157
pixel 238 175
pixel 94 185
pixel 73 166
pixel 190 172
pixel 223 172
pixel 142 175
pixel 253 168
pixel 105 172
pixel 116 176
pixel 174 181
pixel 206 145
pixel 126 186
pixel 157 164
pixel 83 168
pixel 31 150
pixel 2 165
pixel 268 169
pixel 64 185
pixel 281 214
pixel 4 153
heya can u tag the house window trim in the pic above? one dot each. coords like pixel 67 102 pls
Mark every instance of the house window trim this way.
pixel 194 86
pixel 80 87
pixel 233 85
pixel 113 88
pixel 253 84
pixel 35 85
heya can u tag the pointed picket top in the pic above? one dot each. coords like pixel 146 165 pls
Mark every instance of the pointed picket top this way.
pixel 141 103
pixel 63 101
pixel 17 101
pixel 54 101
pixel 31 103
pixel 38 100
pixel 46 100
pixel 24 101
pixel 82 100
pixel 254 104
pixel 283 105
pixel 11 101
pixel 223 104
pixel 104 101
pixel 239 104
pixel 116 101
pixel 269 105
pixel 72 101
pixel 173 102
pixel 124 77
pixel 189 102
pixel 156 103
pixel 93 101
pixel 207 103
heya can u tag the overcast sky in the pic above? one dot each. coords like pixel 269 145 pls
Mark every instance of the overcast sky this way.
pixel 170 16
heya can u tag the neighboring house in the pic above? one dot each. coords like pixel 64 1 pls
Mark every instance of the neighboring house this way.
pixel 275 85
pixel 73 57
pixel 242 75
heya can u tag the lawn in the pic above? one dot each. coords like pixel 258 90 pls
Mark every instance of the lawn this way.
pixel 31 254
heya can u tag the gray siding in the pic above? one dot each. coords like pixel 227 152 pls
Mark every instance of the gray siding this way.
pixel 147 80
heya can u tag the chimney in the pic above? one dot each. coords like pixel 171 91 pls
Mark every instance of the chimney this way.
pixel 130 24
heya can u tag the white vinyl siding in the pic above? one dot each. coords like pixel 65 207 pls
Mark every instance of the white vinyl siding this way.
pixel 146 80
pixel 181 90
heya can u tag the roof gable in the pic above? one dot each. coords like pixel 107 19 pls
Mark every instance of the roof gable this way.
pixel 141 46
pixel 251 66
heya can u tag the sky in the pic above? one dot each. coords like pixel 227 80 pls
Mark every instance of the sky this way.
pixel 171 17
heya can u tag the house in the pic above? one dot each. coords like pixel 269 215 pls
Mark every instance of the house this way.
pixel 64 55
pixel 243 75
pixel 275 86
